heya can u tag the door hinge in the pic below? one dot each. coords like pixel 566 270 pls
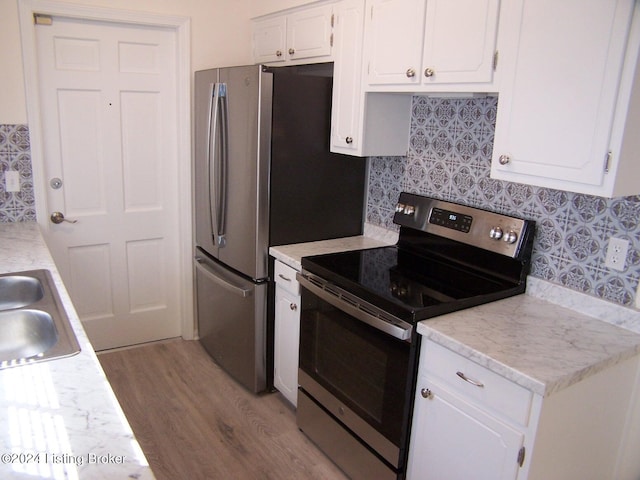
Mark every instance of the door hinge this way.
pixel 42 19
pixel 331 40
pixel 333 17
pixel 521 456
pixel 607 161
pixel 495 60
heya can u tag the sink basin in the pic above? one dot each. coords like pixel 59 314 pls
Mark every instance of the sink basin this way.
pixel 18 291
pixel 34 325
pixel 25 334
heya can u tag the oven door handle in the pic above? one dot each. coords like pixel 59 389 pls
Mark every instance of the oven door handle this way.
pixel 401 332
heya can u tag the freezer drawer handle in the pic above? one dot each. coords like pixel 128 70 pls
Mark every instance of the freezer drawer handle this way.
pixel 226 283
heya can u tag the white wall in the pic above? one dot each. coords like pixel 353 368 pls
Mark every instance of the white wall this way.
pixel 220 36
pixel 12 103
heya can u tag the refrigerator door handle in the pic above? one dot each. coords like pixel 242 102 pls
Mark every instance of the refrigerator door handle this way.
pixel 217 160
pixel 218 275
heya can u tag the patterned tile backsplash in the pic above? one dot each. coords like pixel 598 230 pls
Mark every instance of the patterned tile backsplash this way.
pixel 15 154
pixel 449 157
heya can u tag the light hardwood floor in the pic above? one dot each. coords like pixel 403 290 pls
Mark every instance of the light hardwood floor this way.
pixel 192 421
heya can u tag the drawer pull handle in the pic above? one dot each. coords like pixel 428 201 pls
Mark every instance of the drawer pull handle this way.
pixel 470 380
pixel 286 279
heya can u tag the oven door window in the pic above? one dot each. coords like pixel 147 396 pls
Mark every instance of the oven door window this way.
pixel 361 366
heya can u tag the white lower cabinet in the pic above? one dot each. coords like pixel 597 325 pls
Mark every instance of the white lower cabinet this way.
pixel 471 423
pixel 468 440
pixel 286 332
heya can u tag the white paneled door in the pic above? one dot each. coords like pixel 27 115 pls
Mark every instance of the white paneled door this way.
pixel 108 103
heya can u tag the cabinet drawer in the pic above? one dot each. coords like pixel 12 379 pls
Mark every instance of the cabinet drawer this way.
pixel 491 392
pixel 285 277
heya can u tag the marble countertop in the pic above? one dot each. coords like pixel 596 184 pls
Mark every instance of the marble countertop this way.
pixel 60 418
pixel 535 343
pixel 292 254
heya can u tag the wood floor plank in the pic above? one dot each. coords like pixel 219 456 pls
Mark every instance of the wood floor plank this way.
pixel 193 421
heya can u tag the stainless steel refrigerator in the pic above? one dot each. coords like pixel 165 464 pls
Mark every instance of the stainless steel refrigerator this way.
pixel 263 176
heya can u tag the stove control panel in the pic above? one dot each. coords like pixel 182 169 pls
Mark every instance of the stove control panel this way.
pixel 451 219
pixel 492 231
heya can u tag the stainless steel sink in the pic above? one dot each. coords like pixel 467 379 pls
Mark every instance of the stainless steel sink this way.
pixel 19 291
pixel 34 326
pixel 26 333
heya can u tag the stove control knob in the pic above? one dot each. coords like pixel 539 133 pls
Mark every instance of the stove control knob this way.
pixel 400 207
pixel 496 233
pixel 510 237
pixel 409 210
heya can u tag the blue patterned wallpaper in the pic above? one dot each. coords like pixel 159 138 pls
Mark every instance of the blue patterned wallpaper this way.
pixel 449 157
pixel 15 154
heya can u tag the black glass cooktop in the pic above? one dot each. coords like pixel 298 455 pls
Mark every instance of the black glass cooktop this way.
pixel 410 286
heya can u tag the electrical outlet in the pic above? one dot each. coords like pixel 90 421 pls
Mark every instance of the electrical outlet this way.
pixel 12 181
pixel 616 253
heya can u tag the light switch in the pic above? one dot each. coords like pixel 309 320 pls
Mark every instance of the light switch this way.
pixel 12 181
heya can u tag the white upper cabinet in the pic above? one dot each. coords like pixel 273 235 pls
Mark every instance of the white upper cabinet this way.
pixel 431 45
pixel 569 96
pixel 269 40
pixel 302 36
pixel 362 124
pixel 394 31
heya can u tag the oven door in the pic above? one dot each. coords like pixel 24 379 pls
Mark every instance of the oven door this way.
pixel 354 366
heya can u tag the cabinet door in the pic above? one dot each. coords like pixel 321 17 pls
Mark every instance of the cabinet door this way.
pixel 394 37
pixel 269 40
pixel 286 340
pixel 454 440
pixel 460 41
pixel 557 102
pixel 309 33
pixel 347 74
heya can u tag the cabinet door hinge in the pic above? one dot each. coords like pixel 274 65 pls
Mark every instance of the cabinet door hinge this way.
pixel 521 456
pixel 607 161
pixel 42 19
pixel 495 60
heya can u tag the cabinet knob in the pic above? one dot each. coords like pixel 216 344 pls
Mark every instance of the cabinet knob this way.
pixel 278 53
pixel 504 159
pixel 426 393
pixel 429 72
pixel 411 73
pixel 293 306
pixel 292 51
pixel 349 140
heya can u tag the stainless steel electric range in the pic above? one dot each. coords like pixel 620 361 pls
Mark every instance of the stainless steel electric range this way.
pixel 358 340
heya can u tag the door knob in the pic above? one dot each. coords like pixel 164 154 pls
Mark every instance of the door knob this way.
pixel 58 217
